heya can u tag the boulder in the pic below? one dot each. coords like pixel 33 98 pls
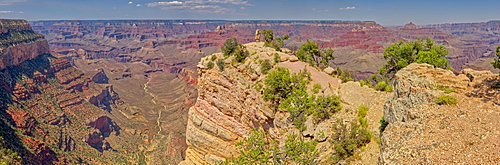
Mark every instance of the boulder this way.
pixel 329 70
pixel 293 58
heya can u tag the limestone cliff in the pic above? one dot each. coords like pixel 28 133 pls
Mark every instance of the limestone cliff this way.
pixel 18 43
pixel 229 105
pixel 44 116
pixel 422 132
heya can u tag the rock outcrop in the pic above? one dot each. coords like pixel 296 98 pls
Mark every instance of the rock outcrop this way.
pixel 229 105
pixel 18 43
pixel 421 131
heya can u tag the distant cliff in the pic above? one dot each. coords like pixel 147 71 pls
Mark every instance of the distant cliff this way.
pixel 18 43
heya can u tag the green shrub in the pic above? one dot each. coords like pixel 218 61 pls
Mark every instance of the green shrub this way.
pixel 259 148
pixel 214 57
pixel 296 151
pixel 316 88
pixel 288 92
pixel 346 142
pixel 220 64
pixel 276 58
pixel 496 85
pixel 274 42
pixel 311 53
pixel 496 62
pixel 388 88
pixel 323 107
pixel 230 47
pixel 446 99
pixel 380 86
pixel 401 54
pixel 366 82
pixel 210 65
pixel 383 124
pixel 344 75
pixel 265 66
pixel 233 48
pixel 363 83
pixel 362 110
pixel 278 85
pixel 256 148
pixel 448 90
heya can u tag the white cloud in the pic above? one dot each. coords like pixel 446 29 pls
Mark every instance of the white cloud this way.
pixel 130 2
pixel 138 5
pixel 7 12
pixel 200 6
pixel 10 2
pixel 348 8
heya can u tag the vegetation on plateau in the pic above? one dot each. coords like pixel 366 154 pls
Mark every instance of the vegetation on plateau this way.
pixel 383 124
pixel 15 37
pixel 344 75
pixel 274 42
pixel 7 156
pixel 496 61
pixel 401 54
pixel 346 140
pixel 233 48
pixel 288 92
pixel 259 148
pixel 311 53
pixel 446 99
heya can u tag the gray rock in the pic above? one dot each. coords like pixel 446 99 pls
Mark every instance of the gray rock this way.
pixel 329 70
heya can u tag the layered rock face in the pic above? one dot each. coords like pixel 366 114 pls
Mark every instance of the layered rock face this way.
pixel 46 104
pixel 421 132
pixel 229 105
pixel 19 43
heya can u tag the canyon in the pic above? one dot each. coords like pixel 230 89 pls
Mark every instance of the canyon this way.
pixel 136 92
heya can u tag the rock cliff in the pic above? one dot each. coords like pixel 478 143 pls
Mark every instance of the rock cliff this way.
pixel 229 104
pixel 45 116
pixel 421 131
pixel 18 43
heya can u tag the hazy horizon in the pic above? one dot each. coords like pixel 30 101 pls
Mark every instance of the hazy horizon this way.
pixel 387 13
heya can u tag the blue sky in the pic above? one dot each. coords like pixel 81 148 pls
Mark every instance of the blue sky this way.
pixel 385 12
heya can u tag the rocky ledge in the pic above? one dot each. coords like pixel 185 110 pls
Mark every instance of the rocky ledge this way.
pixel 423 132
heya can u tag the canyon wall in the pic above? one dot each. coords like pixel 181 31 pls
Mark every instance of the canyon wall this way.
pixel 46 106
pixel 19 43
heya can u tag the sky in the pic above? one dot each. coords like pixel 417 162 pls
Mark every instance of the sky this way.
pixel 385 12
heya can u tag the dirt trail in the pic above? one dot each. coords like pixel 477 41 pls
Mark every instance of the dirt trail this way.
pixel 354 96
pixel 153 99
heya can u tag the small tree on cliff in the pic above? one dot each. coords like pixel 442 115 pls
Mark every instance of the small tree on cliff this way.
pixel 311 53
pixel 274 42
pixel 496 62
pixel 401 54
pixel 233 47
